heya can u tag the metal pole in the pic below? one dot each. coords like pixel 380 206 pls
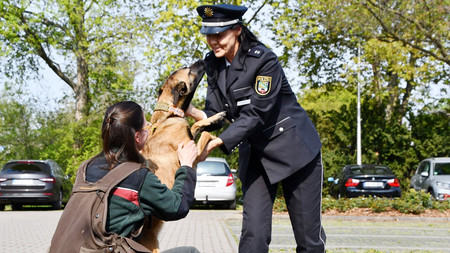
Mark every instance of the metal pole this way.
pixel 358 109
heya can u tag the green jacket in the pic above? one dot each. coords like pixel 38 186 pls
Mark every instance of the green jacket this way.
pixel 142 194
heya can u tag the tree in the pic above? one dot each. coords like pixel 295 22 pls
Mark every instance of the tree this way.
pixel 17 127
pixel 88 44
pixel 430 130
pixel 422 25
pixel 398 58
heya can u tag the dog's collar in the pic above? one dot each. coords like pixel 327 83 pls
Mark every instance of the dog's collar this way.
pixel 169 108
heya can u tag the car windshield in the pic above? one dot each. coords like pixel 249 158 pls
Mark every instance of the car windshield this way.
pixel 442 169
pixel 375 170
pixel 24 168
pixel 212 168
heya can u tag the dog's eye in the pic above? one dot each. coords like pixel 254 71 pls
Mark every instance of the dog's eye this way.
pixel 182 88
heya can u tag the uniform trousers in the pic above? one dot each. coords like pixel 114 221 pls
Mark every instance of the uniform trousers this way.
pixel 303 195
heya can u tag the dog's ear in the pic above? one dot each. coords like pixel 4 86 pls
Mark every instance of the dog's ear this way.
pixel 178 91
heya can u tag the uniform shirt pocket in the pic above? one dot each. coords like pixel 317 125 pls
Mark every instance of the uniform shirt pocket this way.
pixel 279 128
pixel 242 96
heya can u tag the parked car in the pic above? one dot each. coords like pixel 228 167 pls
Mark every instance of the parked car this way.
pixel 33 182
pixel 365 180
pixel 433 176
pixel 215 183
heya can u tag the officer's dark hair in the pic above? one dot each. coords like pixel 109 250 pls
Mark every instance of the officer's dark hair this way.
pixel 247 39
pixel 120 124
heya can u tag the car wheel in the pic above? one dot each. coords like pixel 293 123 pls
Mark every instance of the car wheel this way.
pixel 432 193
pixel 2 207
pixel 232 205
pixel 16 207
pixel 57 205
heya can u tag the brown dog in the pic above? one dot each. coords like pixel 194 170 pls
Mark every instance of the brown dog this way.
pixel 169 128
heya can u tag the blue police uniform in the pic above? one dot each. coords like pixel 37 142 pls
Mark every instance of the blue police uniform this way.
pixel 277 141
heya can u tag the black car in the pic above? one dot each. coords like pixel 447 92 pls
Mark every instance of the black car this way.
pixel 365 180
pixel 33 182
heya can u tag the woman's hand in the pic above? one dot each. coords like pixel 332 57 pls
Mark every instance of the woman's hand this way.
pixel 187 153
pixel 209 148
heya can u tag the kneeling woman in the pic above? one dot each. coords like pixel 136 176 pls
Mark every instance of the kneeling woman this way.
pixel 141 194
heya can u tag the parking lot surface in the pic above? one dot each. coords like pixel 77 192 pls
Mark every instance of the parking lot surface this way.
pixel 216 231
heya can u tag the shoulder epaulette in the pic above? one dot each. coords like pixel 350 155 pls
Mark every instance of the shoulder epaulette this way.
pixel 256 51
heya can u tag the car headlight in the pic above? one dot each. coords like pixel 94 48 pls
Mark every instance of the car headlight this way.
pixel 443 185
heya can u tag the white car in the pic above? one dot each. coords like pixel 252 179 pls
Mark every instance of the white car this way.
pixel 433 176
pixel 215 183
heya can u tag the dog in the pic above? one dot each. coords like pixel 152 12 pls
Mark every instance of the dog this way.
pixel 169 128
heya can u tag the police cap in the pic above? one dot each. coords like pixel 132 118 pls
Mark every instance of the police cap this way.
pixel 220 17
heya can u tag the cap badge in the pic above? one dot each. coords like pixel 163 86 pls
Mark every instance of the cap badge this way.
pixel 209 12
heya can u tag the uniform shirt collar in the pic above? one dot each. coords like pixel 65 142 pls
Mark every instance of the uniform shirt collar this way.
pixel 227 63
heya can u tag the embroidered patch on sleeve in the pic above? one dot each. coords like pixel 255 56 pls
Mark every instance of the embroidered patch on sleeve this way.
pixel 263 84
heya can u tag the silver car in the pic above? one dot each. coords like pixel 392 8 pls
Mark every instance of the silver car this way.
pixel 215 183
pixel 433 176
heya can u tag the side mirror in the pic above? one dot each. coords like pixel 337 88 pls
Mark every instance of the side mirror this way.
pixel 424 174
pixel 334 180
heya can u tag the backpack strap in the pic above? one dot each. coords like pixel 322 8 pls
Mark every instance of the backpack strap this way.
pixel 109 181
pixel 118 174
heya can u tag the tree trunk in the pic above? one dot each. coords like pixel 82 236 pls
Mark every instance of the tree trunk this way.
pixel 81 90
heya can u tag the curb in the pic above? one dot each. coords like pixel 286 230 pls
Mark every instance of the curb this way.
pixel 386 218
pixel 371 218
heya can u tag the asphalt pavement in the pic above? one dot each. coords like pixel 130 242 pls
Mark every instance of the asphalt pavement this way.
pixel 216 231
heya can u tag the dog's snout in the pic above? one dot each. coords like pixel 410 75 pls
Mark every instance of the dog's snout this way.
pixel 198 66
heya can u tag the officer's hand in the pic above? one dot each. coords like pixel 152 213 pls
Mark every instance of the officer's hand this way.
pixel 195 113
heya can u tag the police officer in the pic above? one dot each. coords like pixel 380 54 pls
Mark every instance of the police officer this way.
pixel 277 141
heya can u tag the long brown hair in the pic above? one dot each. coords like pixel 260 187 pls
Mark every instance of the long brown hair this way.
pixel 120 124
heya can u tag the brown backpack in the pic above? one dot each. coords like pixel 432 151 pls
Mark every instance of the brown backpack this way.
pixel 81 227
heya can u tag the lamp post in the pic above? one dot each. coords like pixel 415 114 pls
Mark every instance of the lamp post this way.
pixel 358 112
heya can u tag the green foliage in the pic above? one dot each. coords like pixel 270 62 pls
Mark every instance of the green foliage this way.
pixel 411 202
pixel 430 131
pixel 90 45
pixel 414 202
pixel 17 126
pixel 86 132
pixel 28 134
pixel 279 206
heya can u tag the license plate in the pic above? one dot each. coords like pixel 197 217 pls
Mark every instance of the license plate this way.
pixel 206 184
pixel 22 182
pixel 373 184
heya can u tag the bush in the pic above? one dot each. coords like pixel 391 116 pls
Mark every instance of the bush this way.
pixel 414 202
pixel 279 206
pixel 411 202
